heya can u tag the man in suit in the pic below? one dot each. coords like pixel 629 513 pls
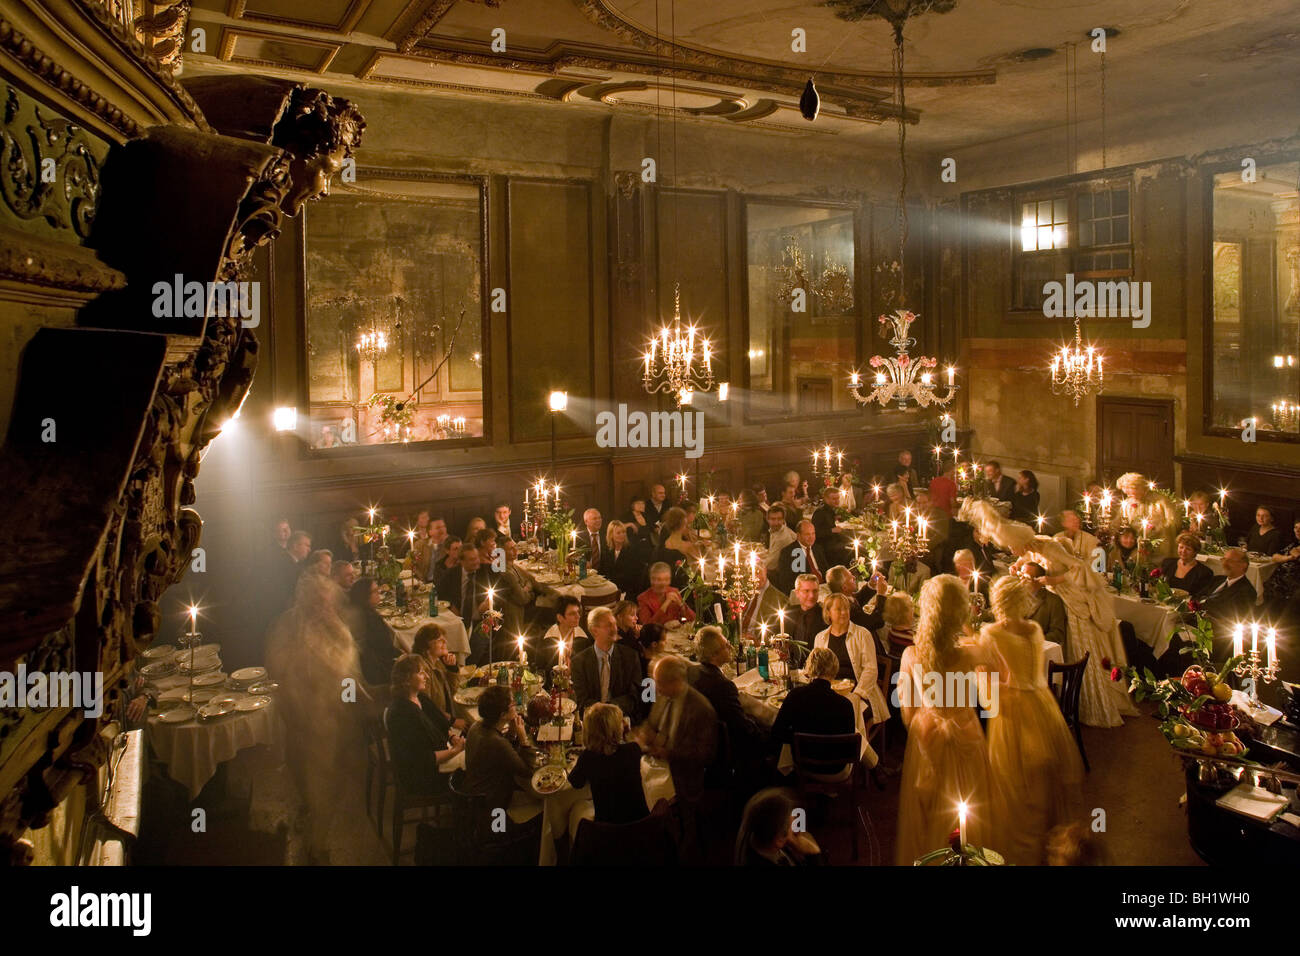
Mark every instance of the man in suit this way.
pixel 823 519
pixel 436 546
pixel 607 672
pixel 589 538
pixel 682 727
pixel 1003 486
pixel 466 588
pixel 870 614
pixel 503 525
pixel 776 535
pixel 1231 598
pixel 656 506
pixel 803 619
pixel 763 606
pixel 803 556
pixel 1046 609
pixel 748 740
pixel 904 472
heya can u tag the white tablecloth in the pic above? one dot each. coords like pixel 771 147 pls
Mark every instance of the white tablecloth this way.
pixel 1153 623
pixel 452 626
pixel 1256 573
pixel 193 750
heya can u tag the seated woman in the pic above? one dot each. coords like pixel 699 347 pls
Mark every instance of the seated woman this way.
pixel 900 623
pixel 898 500
pixel 1284 584
pixel 752 518
pixel 611 765
pixel 418 733
pixel 814 707
pixel 767 836
pixel 652 647
pixel 848 498
pixel 1201 515
pixel 622 559
pixel 1185 571
pixel 567 628
pixel 629 631
pixel 1124 550
pixel 662 603
pixel 1024 500
pixel 495 765
pixel 449 562
pixel 1265 537
pixel 638 525
pixel 794 491
pixel 374 638
pixel 855 649
pixel 351 538
pixel 676 547
pixel 430 645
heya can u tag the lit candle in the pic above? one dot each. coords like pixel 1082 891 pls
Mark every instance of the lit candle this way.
pixel 371 512
pixel 951 372
pixel 753 564
pixel 490 593
pixel 194 615
pixel 816 458
pixel 1223 494
pixel 722 565
pixel 856 543
pixel 682 480
pixel 961 824
pixel 874 564
pixel 762 632
pixel 974 581
pixel 410 536
pixel 938 452
pixel 1237 641
pixel 737 553
pixel 1041 519
pixel 839 461
pixel 925 527
pixel 1270 645
pixel 876 490
pixel 701 568
pixel 780 617
pixel 1254 639
pixel 710 500
pixel 561 652
pixel 1087 505
pixel 1187 507
pixel 523 659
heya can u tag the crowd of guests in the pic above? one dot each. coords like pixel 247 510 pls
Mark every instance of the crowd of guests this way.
pixel 854 634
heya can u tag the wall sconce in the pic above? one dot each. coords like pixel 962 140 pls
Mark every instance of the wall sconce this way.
pixel 724 389
pixel 559 401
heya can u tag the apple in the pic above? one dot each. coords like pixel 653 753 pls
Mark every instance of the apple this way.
pixel 1209 749
pixel 1222 693
pixel 1182 730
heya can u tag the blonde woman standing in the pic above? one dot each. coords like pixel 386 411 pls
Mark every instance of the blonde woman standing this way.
pixel 946 762
pixel 1034 764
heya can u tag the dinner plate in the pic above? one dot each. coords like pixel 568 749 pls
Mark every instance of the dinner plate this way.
pixel 212 710
pixel 252 703
pixel 469 695
pixel 210 679
pixel 247 675
pixel 568 705
pixel 200 695
pixel 159 652
pixel 264 688
pixel 201 665
pixel 842 686
pixel 550 779
pixel 203 650
pixel 177 715
pixel 158 669
pixel 444 607
pixel 232 699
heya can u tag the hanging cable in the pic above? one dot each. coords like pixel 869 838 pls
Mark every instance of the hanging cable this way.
pixel 902 160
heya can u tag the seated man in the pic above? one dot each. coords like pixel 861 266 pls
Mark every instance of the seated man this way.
pixel 804 620
pixel 466 588
pixel 748 739
pixel 682 727
pixel 776 535
pixel 823 519
pixel 963 566
pixel 802 556
pixel 1046 609
pixel 608 672
pixel 662 603
pixel 496 767
pixel 841 581
pixel 762 607
pixel 1230 598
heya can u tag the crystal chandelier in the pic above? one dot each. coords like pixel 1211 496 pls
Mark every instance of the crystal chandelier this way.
pixel 670 361
pixel 371 345
pixel 902 379
pixel 1286 416
pixel 1073 369
pixel 833 287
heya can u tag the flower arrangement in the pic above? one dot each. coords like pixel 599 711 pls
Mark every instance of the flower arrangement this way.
pixel 558 525
pixel 396 415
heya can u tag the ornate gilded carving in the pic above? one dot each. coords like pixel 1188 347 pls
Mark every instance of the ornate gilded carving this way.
pixel 47 168
pixel 163 30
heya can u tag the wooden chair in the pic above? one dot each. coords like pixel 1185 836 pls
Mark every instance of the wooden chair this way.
pixel 404 800
pixel 377 766
pixel 880 722
pixel 647 842
pixel 475 841
pixel 829 764
pixel 1067 696
pixel 609 600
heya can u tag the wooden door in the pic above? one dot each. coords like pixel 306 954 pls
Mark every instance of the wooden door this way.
pixel 1135 434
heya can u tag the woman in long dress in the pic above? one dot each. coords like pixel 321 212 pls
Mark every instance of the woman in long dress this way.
pixel 1092 626
pixel 311 653
pixel 1034 765
pixel 946 761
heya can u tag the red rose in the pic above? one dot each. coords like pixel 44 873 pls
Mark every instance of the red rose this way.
pixel 1115 673
pixel 1193 605
pixel 1155 574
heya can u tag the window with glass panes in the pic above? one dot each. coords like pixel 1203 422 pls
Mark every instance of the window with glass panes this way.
pixel 1105 237
pixel 1042 253
pixel 1084 229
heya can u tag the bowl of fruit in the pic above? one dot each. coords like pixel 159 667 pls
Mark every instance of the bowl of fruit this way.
pixel 1213 693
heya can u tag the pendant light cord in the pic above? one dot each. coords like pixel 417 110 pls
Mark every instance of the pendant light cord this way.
pixel 902 161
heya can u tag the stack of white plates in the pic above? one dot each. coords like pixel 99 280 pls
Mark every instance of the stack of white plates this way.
pixel 246 677
pixel 159 652
pixel 156 670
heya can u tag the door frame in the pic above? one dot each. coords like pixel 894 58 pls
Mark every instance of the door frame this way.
pixel 1169 404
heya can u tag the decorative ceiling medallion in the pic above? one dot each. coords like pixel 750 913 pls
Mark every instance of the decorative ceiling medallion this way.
pixel 897 12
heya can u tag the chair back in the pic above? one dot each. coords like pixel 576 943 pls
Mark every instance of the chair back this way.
pixel 1067 694
pixel 825 754
pixel 608 600
pixel 646 842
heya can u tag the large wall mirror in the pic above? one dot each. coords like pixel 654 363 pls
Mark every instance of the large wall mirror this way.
pixel 1255 298
pixel 802 306
pixel 395 311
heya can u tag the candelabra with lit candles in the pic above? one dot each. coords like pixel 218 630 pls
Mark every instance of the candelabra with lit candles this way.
pixel 1252 667
pixel 910 540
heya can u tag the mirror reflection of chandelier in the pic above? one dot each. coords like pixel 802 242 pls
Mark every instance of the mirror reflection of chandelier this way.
pixel 373 343
pixel 670 360
pixel 1073 369
pixel 832 287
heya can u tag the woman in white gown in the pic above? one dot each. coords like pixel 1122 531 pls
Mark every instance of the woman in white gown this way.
pixel 1034 765
pixel 1092 627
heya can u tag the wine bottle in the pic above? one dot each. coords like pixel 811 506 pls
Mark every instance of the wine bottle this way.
pixel 764 671
pixel 400 591
pixel 433 600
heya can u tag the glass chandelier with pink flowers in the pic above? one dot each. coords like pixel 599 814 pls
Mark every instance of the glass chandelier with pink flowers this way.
pixel 901 378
